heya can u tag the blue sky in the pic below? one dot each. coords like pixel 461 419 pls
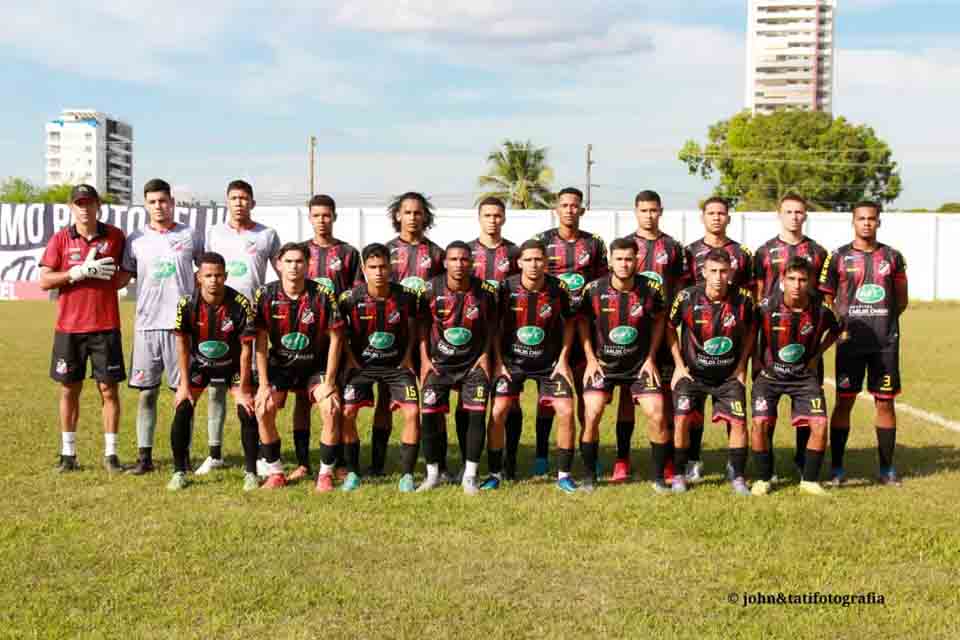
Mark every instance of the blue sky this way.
pixel 414 94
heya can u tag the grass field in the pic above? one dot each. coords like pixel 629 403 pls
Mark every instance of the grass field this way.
pixel 89 555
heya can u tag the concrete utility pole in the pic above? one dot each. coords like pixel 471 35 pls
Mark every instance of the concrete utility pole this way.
pixel 590 163
pixel 312 150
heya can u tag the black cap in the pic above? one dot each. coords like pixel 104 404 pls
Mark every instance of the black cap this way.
pixel 83 191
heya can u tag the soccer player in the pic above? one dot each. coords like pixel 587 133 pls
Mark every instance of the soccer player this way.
pixel 80 261
pixel 535 311
pixel 663 260
pixel 716 218
pixel 716 324
pixel 247 248
pixel 380 318
pixel 795 329
pixel 214 329
pixel 576 257
pixel 161 256
pixel 495 260
pixel 769 265
pixel 301 322
pixel 866 283
pixel 621 326
pixel 457 312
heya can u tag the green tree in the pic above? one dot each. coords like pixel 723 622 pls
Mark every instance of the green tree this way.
pixel 759 158
pixel 518 174
pixel 949 207
pixel 22 191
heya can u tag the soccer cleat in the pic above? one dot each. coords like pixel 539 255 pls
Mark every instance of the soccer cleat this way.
pixel 298 474
pixel 492 483
pixel 470 487
pixel 251 481
pixel 621 470
pixel 668 471
pixel 694 471
pixel 740 487
pixel 679 483
pixel 540 467
pixel 588 484
pixel 324 483
pixel 406 483
pixel 838 477
pixel 567 485
pixel 67 464
pixel 731 474
pixel 888 477
pixel 210 464
pixel 178 481
pixel 446 478
pixel 760 487
pixel 351 482
pixel 112 464
pixel 263 469
pixel 661 487
pixel 429 483
pixel 775 479
pixel 341 473
pixel 142 467
pixel 812 488
pixel 274 481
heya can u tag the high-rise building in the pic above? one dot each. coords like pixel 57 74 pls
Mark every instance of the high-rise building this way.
pixel 790 55
pixel 88 146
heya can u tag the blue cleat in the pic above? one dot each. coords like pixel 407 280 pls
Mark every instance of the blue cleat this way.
pixel 837 477
pixel 351 482
pixel 889 478
pixel 406 483
pixel 540 467
pixel 567 485
pixel 492 483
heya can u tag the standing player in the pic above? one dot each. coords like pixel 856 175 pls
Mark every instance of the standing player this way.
pixel 300 321
pixel 716 322
pixel 495 260
pixel 866 282
pixel 535 312
pixel 769 265
pixel 621 327
pixel 380 317
pixel 795 329
pixel 663 260
pixel 247 247
pixel 161 256
pixel 457 313
pixel 576 257
pixel 80 261
pixel 716 218
pixel 214 330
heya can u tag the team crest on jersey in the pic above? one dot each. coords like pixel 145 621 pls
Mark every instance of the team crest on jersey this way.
pixel 844 382
pixel 729 320
pixel 884 268
pixel 733 263
pixel 805 329
pixel 636 310
pixel 545 311
pixel 139 375
pixel 251 247
pixel 472 312
pixel 426 261
pixel 502 385
pixel 662 258
pixel 429 396
pixel 336 264
pixel 760 404
pixel 62 367
pixel 227 325
pixel 683 404
pixel 349 393
pixel 583 259
pixel 197 379
pixel 504 265
pixel 394 317
pixel 307 317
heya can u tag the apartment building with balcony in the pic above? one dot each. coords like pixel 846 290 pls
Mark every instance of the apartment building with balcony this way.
pixel 85 145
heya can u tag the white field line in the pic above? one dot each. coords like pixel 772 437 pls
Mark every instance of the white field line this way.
pixel 933 418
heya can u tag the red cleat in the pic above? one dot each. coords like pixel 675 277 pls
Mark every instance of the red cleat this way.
pixel 668 471
pixel 274 481
pixel 324 483
pixel 621 470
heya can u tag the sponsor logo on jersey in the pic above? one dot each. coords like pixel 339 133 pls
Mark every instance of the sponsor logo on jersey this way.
pixel 457 336
pixel 161 269
pixel 237 268
pixel 381 340
pixel 504 265
pixel 530 335
pixel 623 335
pixel 871 294
pixel 213 349
pixel 295 341
pixel 413 282
pixel 472 312
pixel 718 346
pixel 792 353
pixel 307 317
pixel 394 317
pixel 545 311
pixel 574 281
pixel 652 275
pixel 325 282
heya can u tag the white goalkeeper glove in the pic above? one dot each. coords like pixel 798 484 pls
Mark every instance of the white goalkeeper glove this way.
pixel 102 269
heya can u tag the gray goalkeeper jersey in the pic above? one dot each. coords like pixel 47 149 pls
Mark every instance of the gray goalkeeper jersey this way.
pixel 247 252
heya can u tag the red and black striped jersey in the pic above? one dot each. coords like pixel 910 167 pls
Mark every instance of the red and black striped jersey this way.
pixel 413 264
pixel 622 322
pixel 741 262
pixel 298 328
pixel 216 331
pixel 533 322
pixel 576 261
pixel 664 261
pixel 770 261
pixel 378 329
pixel 337 267
pixel 495 264
pixel 712 332
pixel 787 339
pixel 458 322
pixel 863 284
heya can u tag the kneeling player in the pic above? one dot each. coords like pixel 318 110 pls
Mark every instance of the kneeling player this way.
pixel 380 316
pixel 301 320
pixel 214 328
pixel 536 312
pixel 457 310
pixel 716 321
pixel 621 328
pixel 795 330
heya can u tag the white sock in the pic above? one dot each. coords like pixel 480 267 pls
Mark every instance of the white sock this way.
pixel 433 471
pixel 275 467
pixel 110 441
pixel 69 443
pixel 325 468
pixel 563 474
pixel 470 470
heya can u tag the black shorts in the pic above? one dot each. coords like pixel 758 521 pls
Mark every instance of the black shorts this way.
pixel 548 389
pixel 201 377
pixel 104 349
pixel 401 383
pixel 473 385
pixel 882 369
pixel 637 387
pixel 807 401
pixel 729 400
pixel 290 378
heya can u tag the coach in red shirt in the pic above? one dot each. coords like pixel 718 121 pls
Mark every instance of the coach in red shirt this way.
pixel 81 262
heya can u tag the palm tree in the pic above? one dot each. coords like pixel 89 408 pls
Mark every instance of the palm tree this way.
pixel 518 174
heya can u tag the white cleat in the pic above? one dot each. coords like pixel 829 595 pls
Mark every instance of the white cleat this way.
pixel 209 465
pixel 694 471
pixel 263 469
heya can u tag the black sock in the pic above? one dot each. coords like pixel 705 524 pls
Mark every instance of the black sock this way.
pixel 301 444
pixel 495 460
pixel 544 426
pixel 351 456
pixel 624 435
pixel 379 439
pixel 408 457
pixel 514 430
pixel 476 433
pixel 271 452
pixel 803 437
pixel 589 451
pixel 216 451
pixel 327 453
pixel 430 437
pixel 444 443
pixel 338 456
pixel 659 453
pixel 770 449
pixel 886 443
pixel 250 439
pixel 462 419
pixel 738 460
pixel 696 443
pixel 565 460
pixel 838 446
pixel 145 455
pixel 670 451
pixel 764 460
pixel 180 435
pixel 812 463
pixel 680 459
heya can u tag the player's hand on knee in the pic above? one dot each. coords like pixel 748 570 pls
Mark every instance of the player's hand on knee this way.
pixel 183 393
pixel 591 371
pixel 650 368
